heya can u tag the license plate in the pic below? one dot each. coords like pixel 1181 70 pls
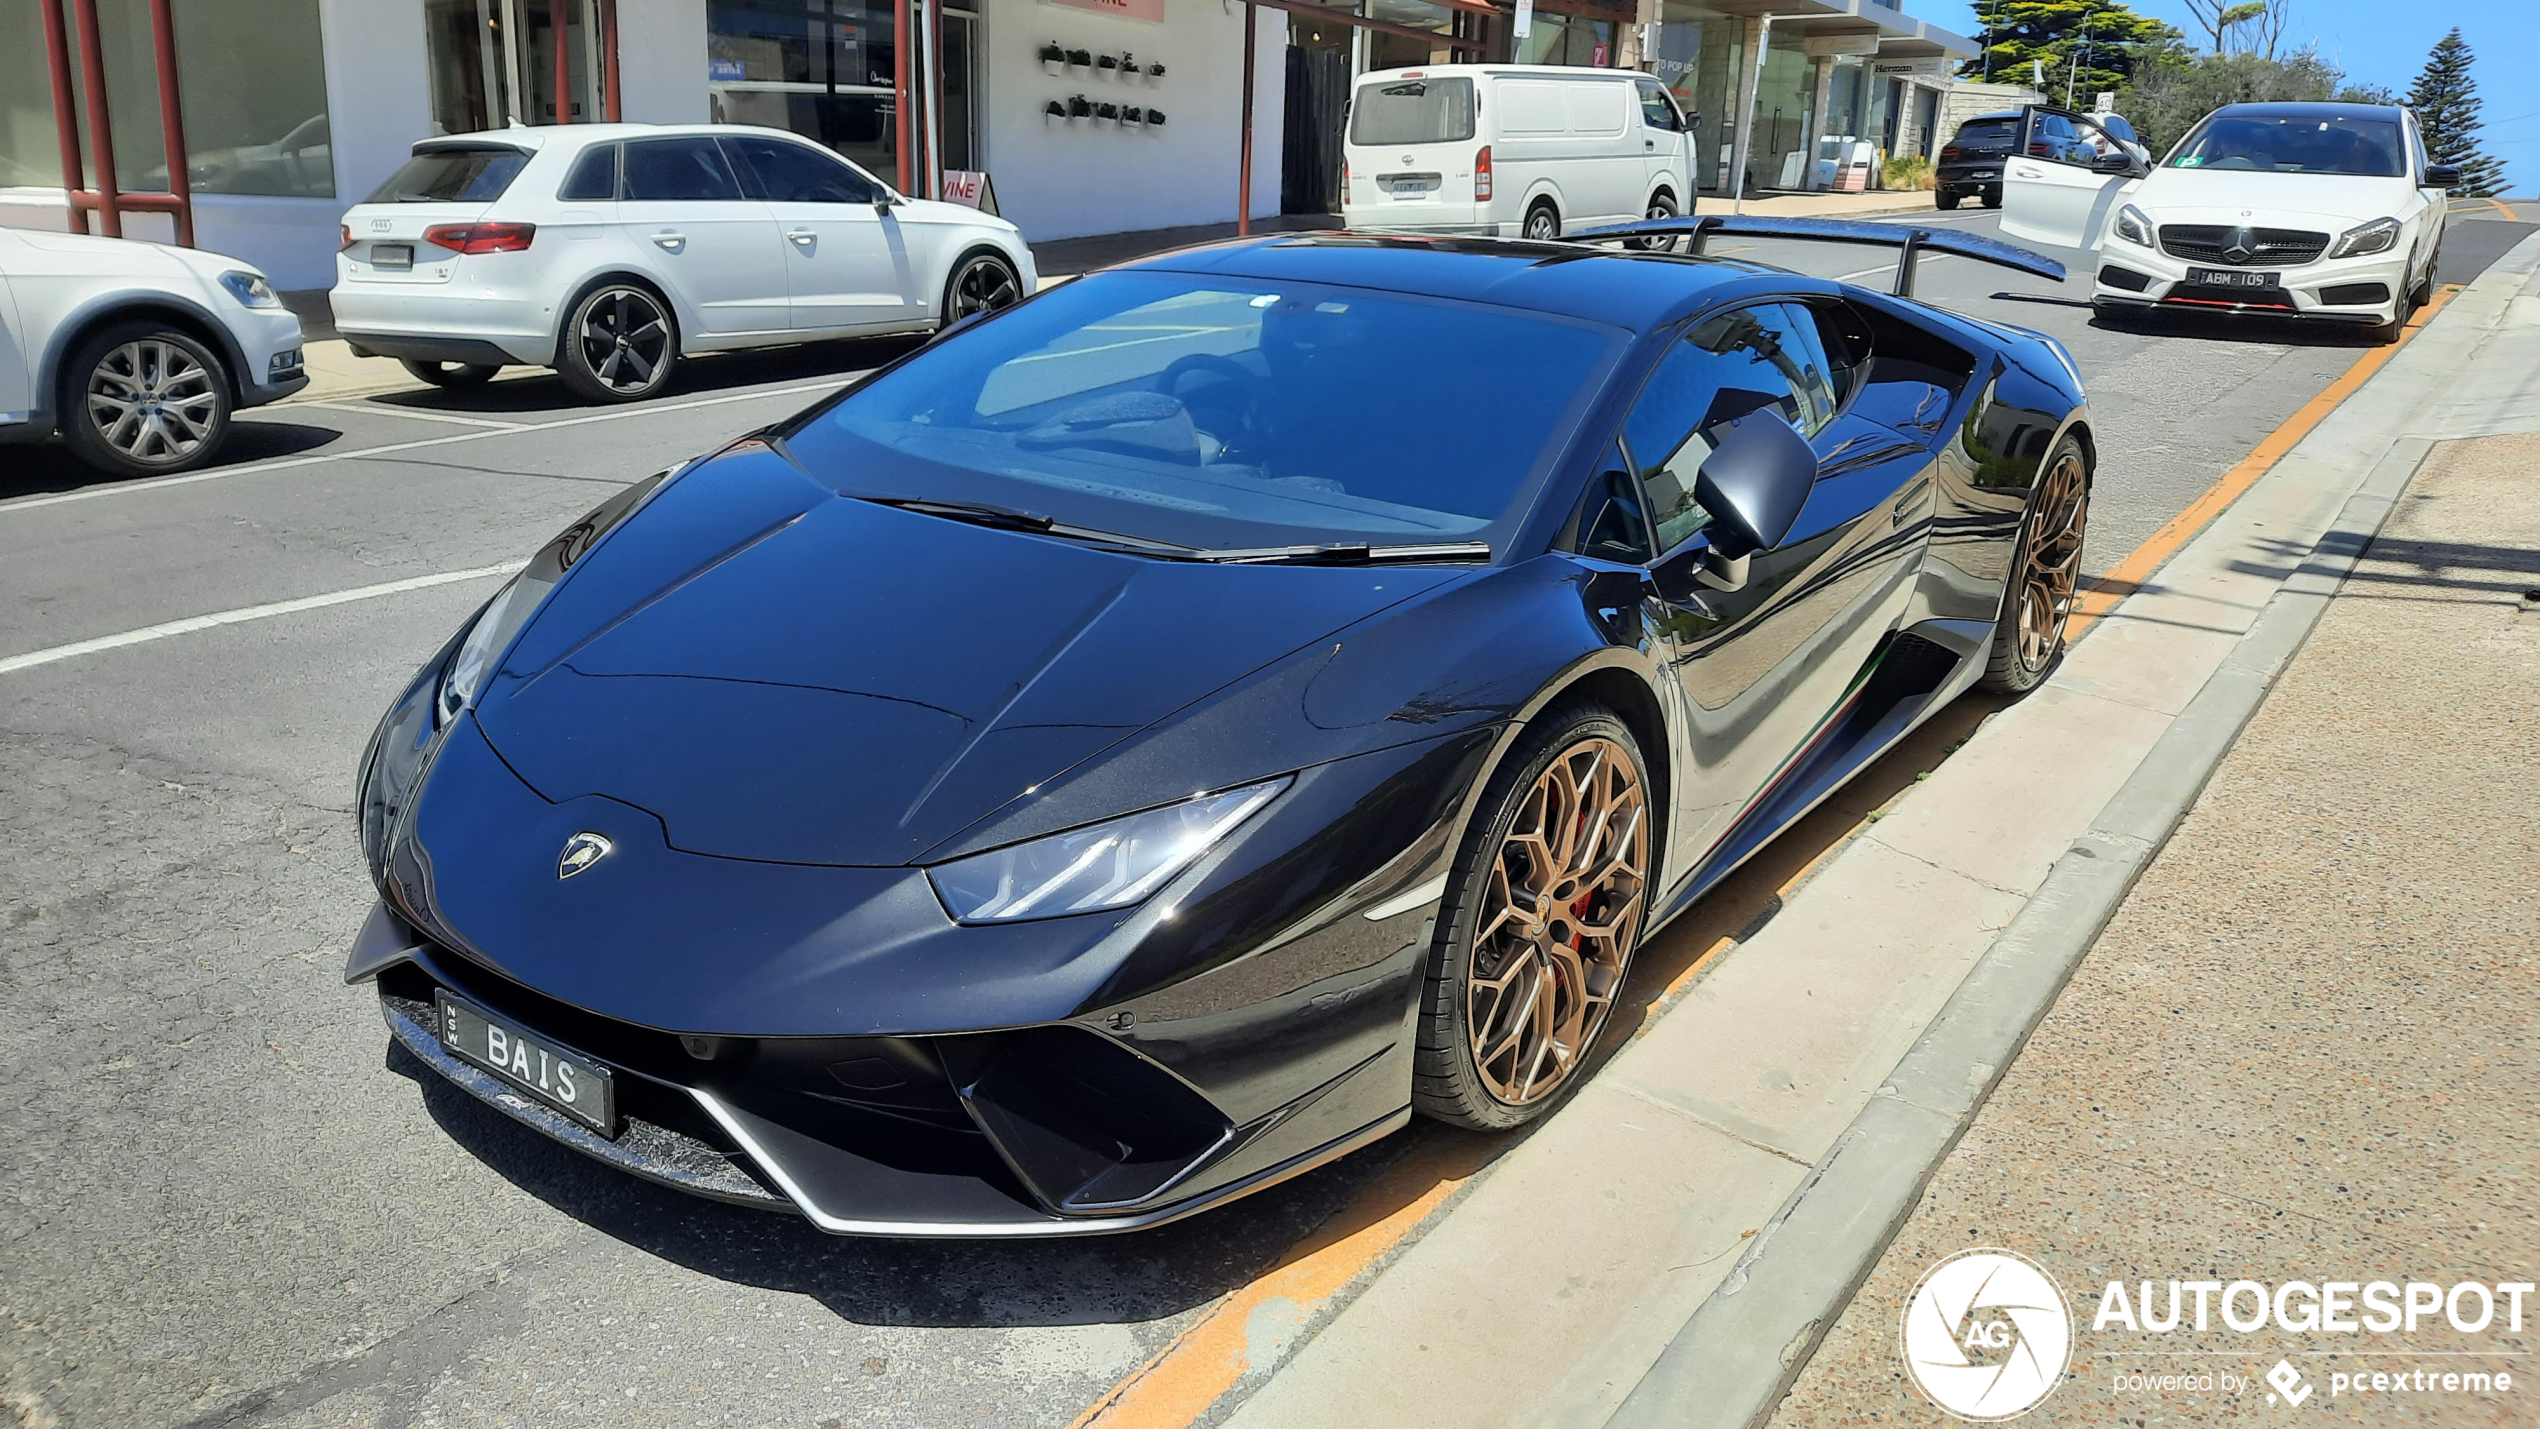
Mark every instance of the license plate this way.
pixel 392 255
pixel 2230 278
pixel 566 1081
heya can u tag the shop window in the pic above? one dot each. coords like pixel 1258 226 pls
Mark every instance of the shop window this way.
pixel 493 63
pixel 30 153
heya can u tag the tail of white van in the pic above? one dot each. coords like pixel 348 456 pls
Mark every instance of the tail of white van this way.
pixel 1510 150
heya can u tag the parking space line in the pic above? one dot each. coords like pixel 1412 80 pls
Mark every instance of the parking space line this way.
pixel 420 416
pixel 240 616
pixel 258 468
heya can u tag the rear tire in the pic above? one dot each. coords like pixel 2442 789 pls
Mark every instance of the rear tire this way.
pixel 452 376
pixel 2037 600
pixel 1944 202
pixel 1992 198
pixel 1661 207
pixel 144 399
pixel 1543 221
pixel 1536 933
pixel 620 343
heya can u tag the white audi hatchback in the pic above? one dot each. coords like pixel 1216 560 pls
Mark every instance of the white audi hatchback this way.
pixel 607 251
pixel 2324 212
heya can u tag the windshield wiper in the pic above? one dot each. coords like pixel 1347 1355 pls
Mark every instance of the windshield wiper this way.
pixel 1352 553
pixel 1007 518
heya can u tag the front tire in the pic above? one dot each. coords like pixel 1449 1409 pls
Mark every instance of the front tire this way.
pixel 450 376
pixel 980 283
pixel 621 343
pixel 144 399
pixel 2037 603
pixel 1545 905
pixel 1944 202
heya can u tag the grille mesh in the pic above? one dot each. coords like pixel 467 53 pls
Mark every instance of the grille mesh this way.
pixel 2269 247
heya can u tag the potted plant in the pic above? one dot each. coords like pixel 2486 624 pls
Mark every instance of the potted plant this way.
pixel 1107 63
pixel 1054 110
pixel 1078 107
pixel 1155 118
pixel 1053 56
pixel 1106 110
pixel 1081 59
pixel 1156 70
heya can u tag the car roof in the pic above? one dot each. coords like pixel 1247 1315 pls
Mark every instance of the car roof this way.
pixel 1508 70
pixel 572 135
pixel 2308 110
pixel 1637 291
pixel 1980 118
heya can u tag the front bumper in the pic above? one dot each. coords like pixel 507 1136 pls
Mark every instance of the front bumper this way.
pixel 269 349
pixel 2370 289
pixel 970 1156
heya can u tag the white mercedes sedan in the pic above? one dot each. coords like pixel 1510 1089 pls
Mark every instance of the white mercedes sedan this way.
pixel 2326 212
pixel 607 251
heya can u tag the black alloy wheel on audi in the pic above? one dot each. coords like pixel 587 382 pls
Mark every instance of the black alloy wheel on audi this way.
pixel 982 284
pixel 620 344
pixel 1543 913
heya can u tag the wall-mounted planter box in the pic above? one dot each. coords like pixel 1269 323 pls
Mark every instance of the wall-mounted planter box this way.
pixel 1053 58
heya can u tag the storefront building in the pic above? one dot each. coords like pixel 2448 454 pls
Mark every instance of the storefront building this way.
pixel 1085 116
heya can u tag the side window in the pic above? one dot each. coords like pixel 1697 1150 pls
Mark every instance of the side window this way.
pixel 1609 525
pixel 676 170
pixel 782 172
pixel 594 176
pixel 1844 337
pixel 1768 356
pixel 1657 111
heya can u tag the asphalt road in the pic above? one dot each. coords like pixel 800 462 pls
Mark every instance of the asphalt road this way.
pixel 226 1203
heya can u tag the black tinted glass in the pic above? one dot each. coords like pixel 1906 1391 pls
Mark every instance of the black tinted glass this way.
pixel 594 176
pixel 666 170
pixel 781 172
pixel 1413 111
pixel 1988 136
pixel 2364 148
pixel 1748 360
pixel 452 176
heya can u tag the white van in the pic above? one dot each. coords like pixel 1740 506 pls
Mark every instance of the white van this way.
pixel 1509 150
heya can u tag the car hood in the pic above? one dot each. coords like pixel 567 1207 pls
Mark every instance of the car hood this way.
pixel 783 674
pixel 2334 202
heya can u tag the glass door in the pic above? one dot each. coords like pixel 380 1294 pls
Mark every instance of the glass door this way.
pixel 493 62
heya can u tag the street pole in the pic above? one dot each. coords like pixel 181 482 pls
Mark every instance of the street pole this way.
pixel 1243 200
pixel 1742 135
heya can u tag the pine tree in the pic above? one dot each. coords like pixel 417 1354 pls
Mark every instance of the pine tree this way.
pixel 2446 101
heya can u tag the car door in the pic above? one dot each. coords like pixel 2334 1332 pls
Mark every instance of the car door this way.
pixel 847 264
pixel 2064 179
pixel 1762 666
pixel 17 383
pixel 1604 134
pixel 714 249
pixel 1666 155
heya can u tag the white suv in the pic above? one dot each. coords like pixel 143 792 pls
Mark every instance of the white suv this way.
pixel 605 251
pixel 136 352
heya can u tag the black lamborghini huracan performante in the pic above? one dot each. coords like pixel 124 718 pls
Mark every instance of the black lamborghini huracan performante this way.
pixel 1162 735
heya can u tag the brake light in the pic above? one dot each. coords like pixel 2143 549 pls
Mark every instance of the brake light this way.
pixel 1950 151
pixel 344 235
pixel 1481 173
pixel 1345 184
pixel 481 237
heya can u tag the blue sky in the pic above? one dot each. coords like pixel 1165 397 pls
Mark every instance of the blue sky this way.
pixel 2385 43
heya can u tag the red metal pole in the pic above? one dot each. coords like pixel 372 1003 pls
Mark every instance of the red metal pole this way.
pixel 57 47
pixel 172 120
pixel 564 59
pixel 899 82
pixel 1243 198
pixel 608 55
pixel 101 138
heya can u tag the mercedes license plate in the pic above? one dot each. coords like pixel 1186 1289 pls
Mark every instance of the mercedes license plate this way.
pixel 2230 278
pixel 392 255
pixel 567 1081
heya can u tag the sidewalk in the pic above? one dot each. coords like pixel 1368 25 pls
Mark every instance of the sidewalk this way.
pixel 2303 1050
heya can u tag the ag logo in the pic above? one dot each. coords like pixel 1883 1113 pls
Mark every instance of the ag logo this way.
pixel 581 851
pixel 1987 1335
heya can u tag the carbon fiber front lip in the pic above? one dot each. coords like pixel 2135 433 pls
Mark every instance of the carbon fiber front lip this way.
pixel 655 1153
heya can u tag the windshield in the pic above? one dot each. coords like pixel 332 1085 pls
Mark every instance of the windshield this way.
pixel 2305 144
pixel 1226 412
pixel 452 176
pixel 1987 136
pixel 1413 111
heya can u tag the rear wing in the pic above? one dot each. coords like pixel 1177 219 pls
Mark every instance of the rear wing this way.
pixel 1911 241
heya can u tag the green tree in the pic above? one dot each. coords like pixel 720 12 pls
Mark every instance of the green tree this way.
pixel 2446 101
pixel 2172 89
pixel 2084 46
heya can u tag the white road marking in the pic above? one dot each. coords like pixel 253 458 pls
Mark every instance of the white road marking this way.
pixel 396 411
pixel 256 468
pixel 191 624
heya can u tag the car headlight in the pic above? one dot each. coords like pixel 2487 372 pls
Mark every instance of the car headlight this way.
pixel 2133 226
pixel 2366 238
pixel 487 639
pixel 250 289
pixel 1106 865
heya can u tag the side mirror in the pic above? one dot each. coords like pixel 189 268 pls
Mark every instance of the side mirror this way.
pixel 883 200
pixel 2442 176
pixel 2119 162
pixel 1754 482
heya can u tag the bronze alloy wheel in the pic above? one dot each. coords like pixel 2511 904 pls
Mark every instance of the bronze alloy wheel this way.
pixel 1564 903
pixel 2046 576
pixel 984 284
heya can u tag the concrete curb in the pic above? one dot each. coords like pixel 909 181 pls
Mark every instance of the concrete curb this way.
pixel 1735 1358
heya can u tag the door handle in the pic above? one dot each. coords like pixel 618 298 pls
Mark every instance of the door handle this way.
pixel 1649 143
pixel 803 236
pixel 671 240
